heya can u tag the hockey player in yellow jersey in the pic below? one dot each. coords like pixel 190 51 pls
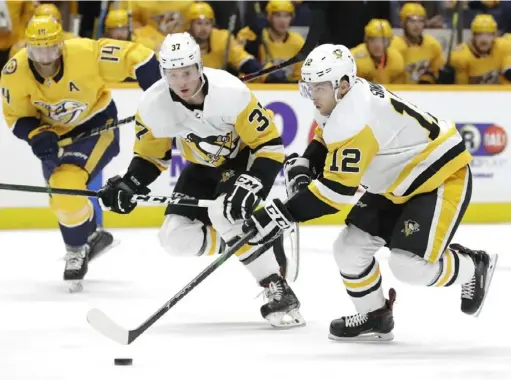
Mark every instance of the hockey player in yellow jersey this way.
pixel 375 60
pixel 42 10
pixel 56 88
pixel 275 43
pixel 235 153
pixel 485 59
pixel 165 16
pixel 200 21
pixel 422 53
pixel 415 171
pixel 116 27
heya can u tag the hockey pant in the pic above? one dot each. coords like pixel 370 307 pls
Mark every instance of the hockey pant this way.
pixel 418 234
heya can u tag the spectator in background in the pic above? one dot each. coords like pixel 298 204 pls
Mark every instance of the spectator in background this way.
pixel 435 13
pixel 376 61
pixel 42 10
pixel 218 48
pixel 275 43
pixel 483 60
pixel 116 27
pixel 165 16
pixel 422 54
pixel 14 17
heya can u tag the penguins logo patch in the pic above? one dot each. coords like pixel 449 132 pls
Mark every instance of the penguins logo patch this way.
pixel 10 67
pixel 214 148
pixel 411 227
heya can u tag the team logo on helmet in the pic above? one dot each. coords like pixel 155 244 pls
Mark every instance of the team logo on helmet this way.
pixel 338 53
pixel 65 112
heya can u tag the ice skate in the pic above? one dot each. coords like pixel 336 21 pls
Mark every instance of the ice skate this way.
pixel 474 292
pixel 374 326
pixel 76 267
pixel 282 308
pixel 100 242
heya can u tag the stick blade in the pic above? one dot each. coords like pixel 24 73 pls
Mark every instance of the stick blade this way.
pixel 103 324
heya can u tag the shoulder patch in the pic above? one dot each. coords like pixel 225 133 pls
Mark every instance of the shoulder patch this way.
pixel 10 67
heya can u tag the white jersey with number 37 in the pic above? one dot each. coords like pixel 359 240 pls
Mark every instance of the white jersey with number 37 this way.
pixel 386 144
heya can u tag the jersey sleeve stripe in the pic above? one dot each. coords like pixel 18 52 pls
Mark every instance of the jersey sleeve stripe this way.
pixel 337 187
pixel 307 206
pixel 325 195
pixel 277 142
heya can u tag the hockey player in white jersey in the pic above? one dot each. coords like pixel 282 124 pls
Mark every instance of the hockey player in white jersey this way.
pixel 235 153
pixel 415 170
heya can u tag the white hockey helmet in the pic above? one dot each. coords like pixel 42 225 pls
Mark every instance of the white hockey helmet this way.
pixel 180 50
pixel 328 63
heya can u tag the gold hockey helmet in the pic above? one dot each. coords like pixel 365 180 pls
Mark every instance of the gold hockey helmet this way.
pixel 200 10
pixel 43 31
pixel 378 28
pixel 48 10
pixel 483 23
pixel 274 6
pixel 412 10
pixel 117 18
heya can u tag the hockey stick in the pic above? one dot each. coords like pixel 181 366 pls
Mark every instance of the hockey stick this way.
pixel 181 201
pixel 451 38
pixel 315 32
pixel 106 326
pixel 230 30
pixel 94 131
pixel 102 16
pixel 130 21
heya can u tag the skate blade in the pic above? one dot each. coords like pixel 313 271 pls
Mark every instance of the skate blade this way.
pixel 74 286
pixel 370 337
pixel 114 244
pixel 491 271
pixel 286 320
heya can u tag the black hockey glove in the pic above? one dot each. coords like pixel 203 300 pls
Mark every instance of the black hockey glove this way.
pixel 116 194
pixel 297 174
pixel 242 199
pixel 45 146
pixel 447 75
pixel 270 222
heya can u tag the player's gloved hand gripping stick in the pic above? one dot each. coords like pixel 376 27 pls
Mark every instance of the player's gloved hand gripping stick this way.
pixel 156 199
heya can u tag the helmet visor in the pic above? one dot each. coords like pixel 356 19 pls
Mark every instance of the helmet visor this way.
pixel 44 54
pixel 315 90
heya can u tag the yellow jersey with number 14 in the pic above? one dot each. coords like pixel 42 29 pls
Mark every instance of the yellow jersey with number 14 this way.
pixel 78 91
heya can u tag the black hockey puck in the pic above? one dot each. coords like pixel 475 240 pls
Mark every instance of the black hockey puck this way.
pixel 123 361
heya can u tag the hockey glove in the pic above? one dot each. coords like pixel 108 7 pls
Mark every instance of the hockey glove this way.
pixel 116 194
pixel 447 75
pixel 297 174
pixel 45 145
pixel 242 199
pixel 270 222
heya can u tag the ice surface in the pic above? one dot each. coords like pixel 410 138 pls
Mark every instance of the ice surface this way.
pixel 216 332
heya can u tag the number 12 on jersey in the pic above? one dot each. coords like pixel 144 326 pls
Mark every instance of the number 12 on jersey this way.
pixel 349 160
